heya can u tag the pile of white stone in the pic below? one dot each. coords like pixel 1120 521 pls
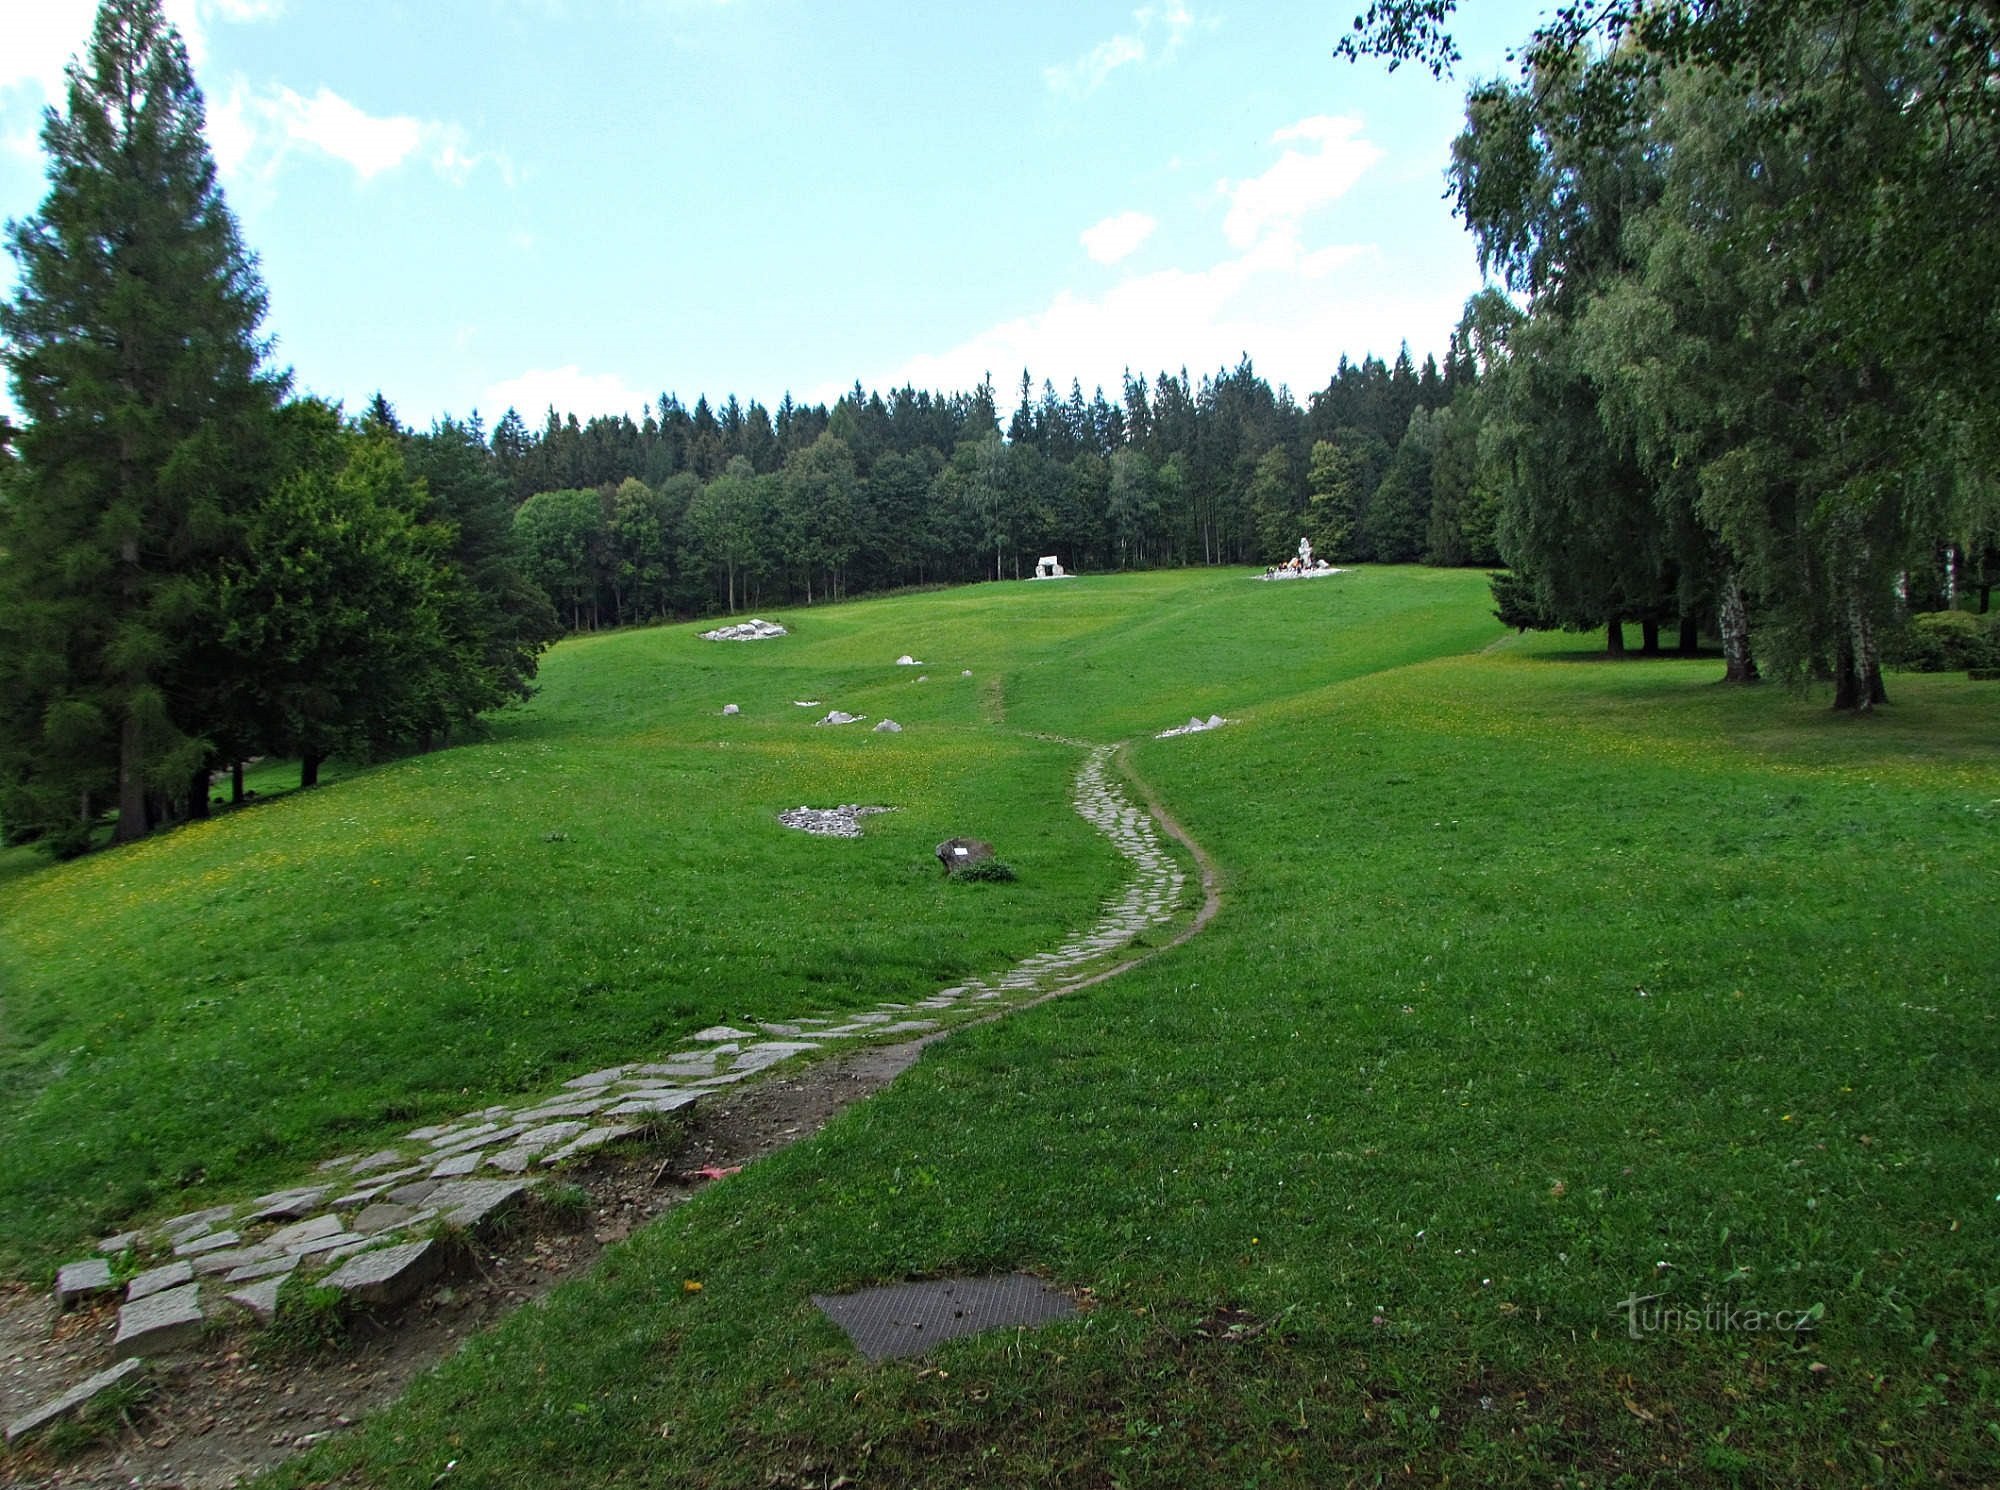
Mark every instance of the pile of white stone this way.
pixel 752 630
pixel 1195 725
pixel 839 716
pixel 1319 570
pixel 829 822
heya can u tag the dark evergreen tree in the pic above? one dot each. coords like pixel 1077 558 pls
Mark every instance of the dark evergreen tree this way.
pixel 132 343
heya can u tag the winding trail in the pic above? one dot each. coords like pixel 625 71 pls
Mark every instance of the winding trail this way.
pixel 459 1172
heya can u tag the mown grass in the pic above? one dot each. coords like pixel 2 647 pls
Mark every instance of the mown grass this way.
pixel 1539 985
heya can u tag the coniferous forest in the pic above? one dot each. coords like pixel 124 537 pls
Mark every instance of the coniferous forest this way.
pixel 1737 390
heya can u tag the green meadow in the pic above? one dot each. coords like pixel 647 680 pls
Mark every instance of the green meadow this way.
pixel 1571 1034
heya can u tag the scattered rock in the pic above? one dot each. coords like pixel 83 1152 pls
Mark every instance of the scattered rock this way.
pixel 388 1275
pixel 158 1280
pixel 888 727
pixel 821 822
pixel 276 1267
pixel 906 660
pixel 231 1258
pixel 655 1105
pixel 123 1242
pixel 839 716
pixel 383 1216
pixel 722 1032
pixel 70 1401
pixel 79 1280
pixel 962 853
pixel 966 674
pixel 414 1193
pixel 161 1321
pixel 213 1241
pixel 731 709
pixel 806 703
pixel 752 630
pixel 287 1205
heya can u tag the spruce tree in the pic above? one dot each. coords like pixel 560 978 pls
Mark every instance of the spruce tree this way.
pixel 132 346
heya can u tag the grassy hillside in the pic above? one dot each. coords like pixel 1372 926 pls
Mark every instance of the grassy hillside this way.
pixel 1541 984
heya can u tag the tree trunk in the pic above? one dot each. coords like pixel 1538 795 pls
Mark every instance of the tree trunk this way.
pixel 1690 637
pixel 198 796
pixel 309 769
pixel 1866 657
pixel 1614 637
pixel 236 783
pixel 1649 637
pixel 1738 665
pixel 131 784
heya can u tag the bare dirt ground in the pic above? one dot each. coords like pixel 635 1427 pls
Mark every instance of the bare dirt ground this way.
pixel 224 1413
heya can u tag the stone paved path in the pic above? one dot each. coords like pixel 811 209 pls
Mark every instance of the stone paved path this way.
pixel 362 1222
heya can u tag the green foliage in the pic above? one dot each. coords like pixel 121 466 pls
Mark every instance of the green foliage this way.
pixel 987 871
pixel 1944 641
pixel 310 1323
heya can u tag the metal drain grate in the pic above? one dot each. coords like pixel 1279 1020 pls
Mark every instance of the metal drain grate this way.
pixel 909 1318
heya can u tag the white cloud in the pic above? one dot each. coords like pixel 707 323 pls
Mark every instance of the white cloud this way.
pixel 43 35
pixel 569 389
pixel 1301 181
pixel 1117 237
pixel 1158 31
pixel 254 131
pixel 1292 305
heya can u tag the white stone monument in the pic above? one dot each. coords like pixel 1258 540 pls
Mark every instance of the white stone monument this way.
pixel 1049 567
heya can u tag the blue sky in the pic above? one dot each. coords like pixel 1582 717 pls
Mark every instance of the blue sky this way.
pixel 477 203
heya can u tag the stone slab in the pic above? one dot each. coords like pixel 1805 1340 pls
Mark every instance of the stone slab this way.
pixel 414 1193
pixel 722 1032
pixel 288 1205
pixel 326 1243
pixel 79 1280
pixel 70 1401
pixel 123 1242
pixel 592 1079
pixel 214 1241
pixel 388 1275
pixel 232 1258
pixel 655 1106
pixel 161 1321
pixel 293 1237
pixel 582 1107
pixel 383 1216
pixel 271 1269
pixel 467 1203
pixel 380 1159
pixel 261 1299
pixel 190 1220
pixel 457 1164
pixel 156 1280
pixel 595 1138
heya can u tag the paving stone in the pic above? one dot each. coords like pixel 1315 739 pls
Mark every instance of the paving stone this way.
pixel 359 1197
pixel 78 1396
pixel 722 1032
pixel 287 1205
pixel 326 1243
pixel 156 1280
pixel 381 1159
pixel 388 1275
pixel 457 1164
pixel 596 1078
pixel 681 1069
pixel 194 1219
pixel 425 1135
pixel 414 1193
pixel 595 1138
pixel 511 1161
pixel 277 1266
pixel 123 1242
pixel 383 1216
pixel 341 1163
pixel 291 1237
pixel 655 1106
pixel 485 1138
pixel 79 1280
pixel 210 1242
pixel 467 1203
pixel 582 1107
pixel 769 1053
pixel 232 1258
pixel 453 1137
pixel 161 1321
pixel 261 1299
